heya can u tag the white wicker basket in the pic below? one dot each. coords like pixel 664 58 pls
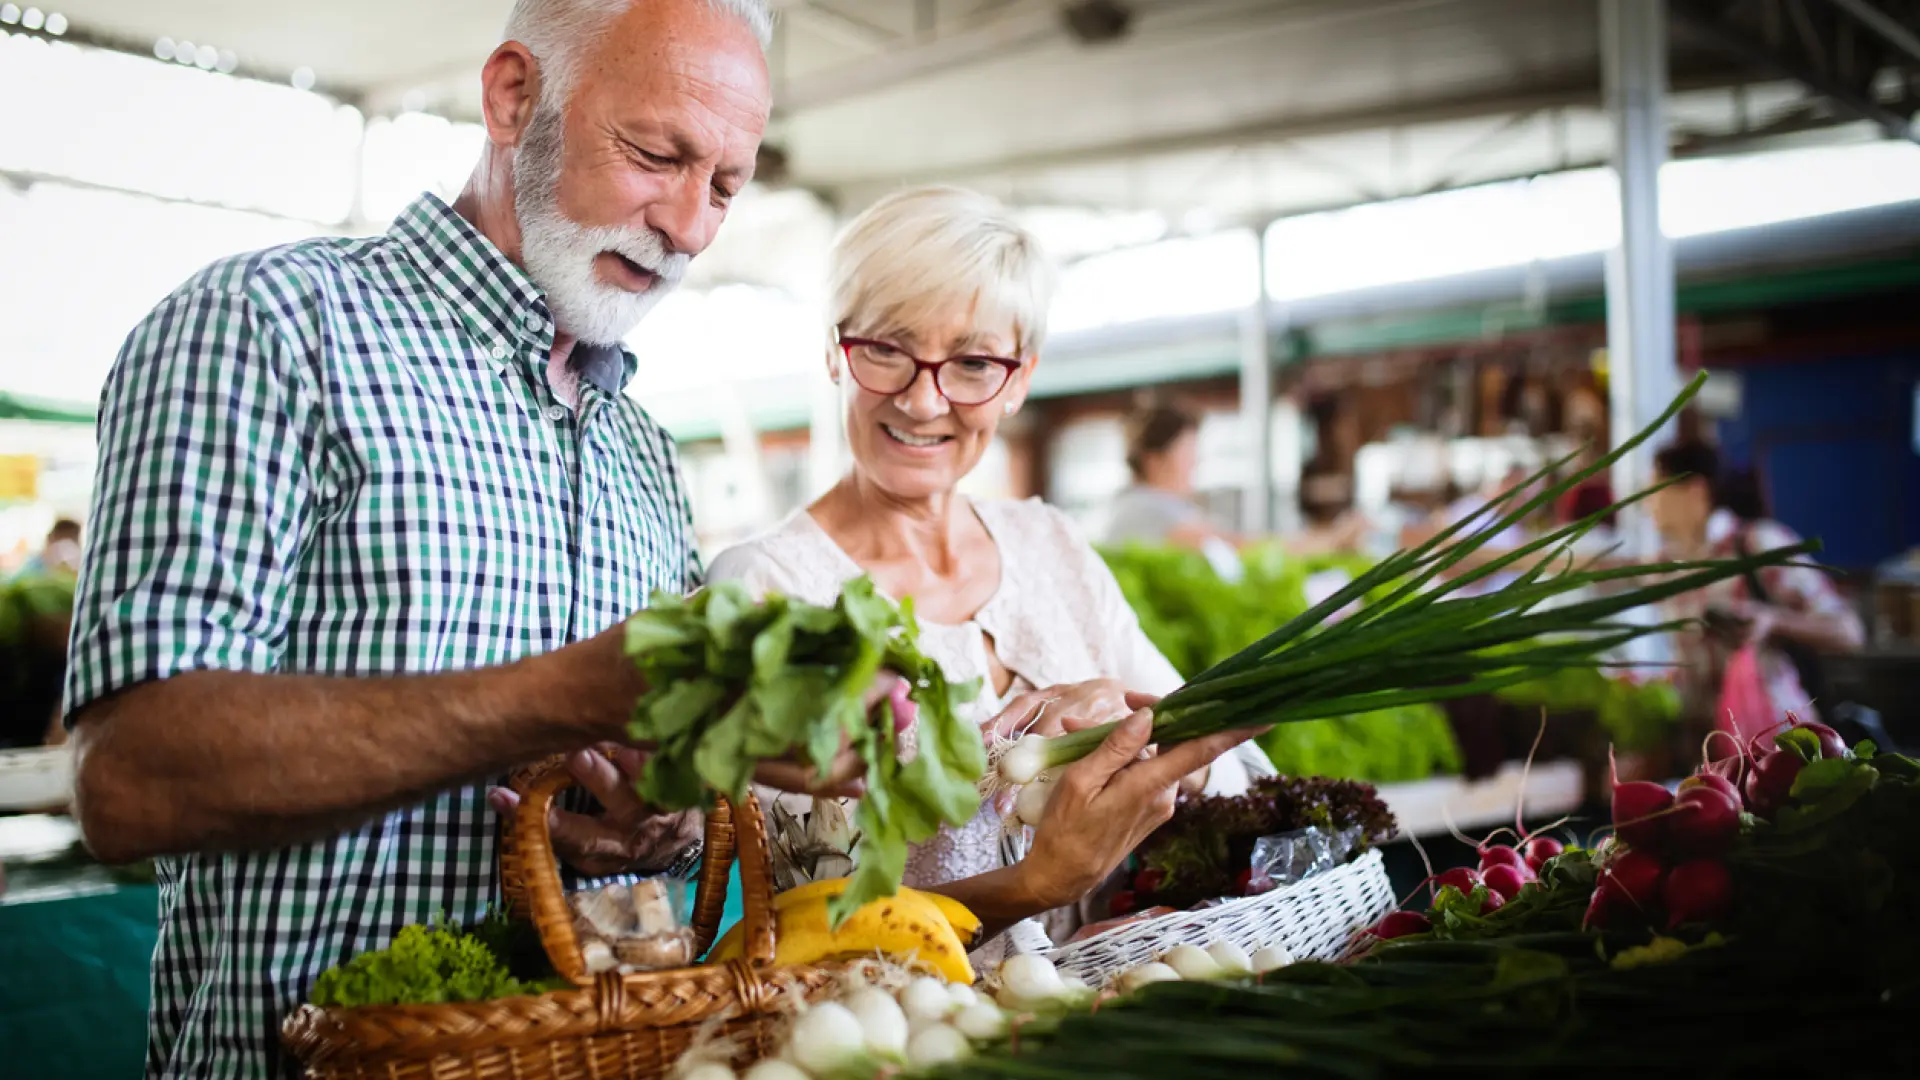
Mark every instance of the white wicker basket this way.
pixel 1315 919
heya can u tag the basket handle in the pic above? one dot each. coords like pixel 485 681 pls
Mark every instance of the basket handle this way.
pixel 530 873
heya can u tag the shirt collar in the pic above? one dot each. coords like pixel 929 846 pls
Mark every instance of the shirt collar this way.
pixel 495 297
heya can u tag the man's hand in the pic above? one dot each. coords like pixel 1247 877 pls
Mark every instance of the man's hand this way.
pixel 628 836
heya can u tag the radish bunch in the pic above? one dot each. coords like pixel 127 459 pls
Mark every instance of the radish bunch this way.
pixel 1669 850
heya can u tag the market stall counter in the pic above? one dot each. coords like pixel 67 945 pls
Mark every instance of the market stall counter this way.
pixel 76 942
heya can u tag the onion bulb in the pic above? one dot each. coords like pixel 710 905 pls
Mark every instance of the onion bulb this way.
pixel 1146 974
pixel 882 1023
pixel 1027 980
pixel 940 1045
pixel 1031 804
pixel 1192 963
pixel 926 998
pixel 1025 760
pixel 775 1069
pixel 1233 960
pixel 825 1038
pixel 982 1021
pixel 963 995
pixel 1271 958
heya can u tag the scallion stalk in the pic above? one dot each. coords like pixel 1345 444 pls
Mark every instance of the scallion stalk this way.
pixel 1423 643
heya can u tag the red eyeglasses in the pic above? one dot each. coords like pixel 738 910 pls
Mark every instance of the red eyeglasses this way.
pixel 881 367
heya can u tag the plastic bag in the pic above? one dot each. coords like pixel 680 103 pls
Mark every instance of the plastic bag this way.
pixel 1292 857
pixel 1745 708
pixel 632 927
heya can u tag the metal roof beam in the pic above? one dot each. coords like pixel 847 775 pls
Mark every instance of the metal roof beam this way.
pixel 1822 62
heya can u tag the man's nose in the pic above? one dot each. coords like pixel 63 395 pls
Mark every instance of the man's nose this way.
pixel 685 216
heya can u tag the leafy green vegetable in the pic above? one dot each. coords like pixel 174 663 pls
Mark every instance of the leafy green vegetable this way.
pixel 734 682
pixel 425 965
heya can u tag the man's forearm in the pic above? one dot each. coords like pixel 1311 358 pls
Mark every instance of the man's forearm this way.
pixel 215 760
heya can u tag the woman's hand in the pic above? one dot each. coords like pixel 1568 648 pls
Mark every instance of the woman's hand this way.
pixel 1068 707
pixel 1104 805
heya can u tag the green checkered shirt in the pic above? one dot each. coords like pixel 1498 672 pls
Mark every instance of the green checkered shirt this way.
pixel 342 457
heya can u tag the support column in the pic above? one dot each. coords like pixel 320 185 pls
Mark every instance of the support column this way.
pixel 1641 370
pixel 1256 402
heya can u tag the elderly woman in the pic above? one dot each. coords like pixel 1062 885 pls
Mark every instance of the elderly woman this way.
pixel 938 312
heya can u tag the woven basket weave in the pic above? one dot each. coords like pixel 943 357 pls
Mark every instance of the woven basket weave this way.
pixel 1315 919
pixel 612 1026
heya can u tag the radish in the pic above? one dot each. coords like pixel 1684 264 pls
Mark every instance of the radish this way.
pixel 1705 820
pixel 1638 807
pixel 1542 848
pixel 1504 881
pixel 1770 782
pixel 1492 902
pixel 1635 877
pixel 1712 780
pixel 1831 744
pixel 1500 855
pixel 1606 903
pixel 1399 924
pixel 1463 878
pixel 1698 891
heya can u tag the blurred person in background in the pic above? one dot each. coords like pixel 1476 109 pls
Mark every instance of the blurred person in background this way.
pixel 1788 614
pixel 1158 507
pixel 61 553
pixel 938 305
pixel 369 515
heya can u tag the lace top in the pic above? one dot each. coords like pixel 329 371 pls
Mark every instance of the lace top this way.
pixel 1057 617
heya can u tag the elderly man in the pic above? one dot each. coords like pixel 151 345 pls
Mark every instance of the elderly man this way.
pixel 366 511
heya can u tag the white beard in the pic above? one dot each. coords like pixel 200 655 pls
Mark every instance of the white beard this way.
pixel 558 252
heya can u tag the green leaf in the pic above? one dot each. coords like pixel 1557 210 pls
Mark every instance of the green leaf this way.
pixel 721 759
pixel 656 629
pixel 1801 742
pixel 673 710
pixel 1828 793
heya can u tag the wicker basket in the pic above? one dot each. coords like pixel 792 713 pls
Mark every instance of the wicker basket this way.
pixel 613 1027
pixel 1315 919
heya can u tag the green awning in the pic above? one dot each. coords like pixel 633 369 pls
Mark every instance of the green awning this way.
pixel 45 410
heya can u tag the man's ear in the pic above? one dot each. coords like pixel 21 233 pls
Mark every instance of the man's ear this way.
pixel 509 90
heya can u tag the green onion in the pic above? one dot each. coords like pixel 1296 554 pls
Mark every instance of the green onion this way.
pixel 1422 642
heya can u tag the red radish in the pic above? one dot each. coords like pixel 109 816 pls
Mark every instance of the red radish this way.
pixel 1705 820
pixel 1831 744
pixel 1639 808
pixel 1635 876
pixel 1542 848
pixel 1606 904
pixel 1123 903
pixel 1500 855
pixel 1493 902
pixel 1463 878
pixel 1770 782
pixel 1712 780
pixel 1697 891
pixel 1504 881
pixel 1149 879
pixel 1399 924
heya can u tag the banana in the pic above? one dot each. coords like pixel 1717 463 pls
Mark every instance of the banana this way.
pixel 966 925
pixel 907 925
pixel 931 928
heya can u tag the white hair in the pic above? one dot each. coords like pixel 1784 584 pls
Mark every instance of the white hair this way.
pixel 918 255
pixel 559 32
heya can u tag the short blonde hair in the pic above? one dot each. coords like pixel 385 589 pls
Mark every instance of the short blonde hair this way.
pixel 918 254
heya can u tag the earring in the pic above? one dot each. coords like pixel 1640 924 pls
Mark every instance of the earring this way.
pixel 1009 408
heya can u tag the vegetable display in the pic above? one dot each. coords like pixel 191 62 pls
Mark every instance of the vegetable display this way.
pixel 734 682
pixel 1420 642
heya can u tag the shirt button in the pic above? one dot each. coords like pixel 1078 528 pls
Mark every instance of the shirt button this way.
pixel 535 323
pixel 499 352
pixel 556 413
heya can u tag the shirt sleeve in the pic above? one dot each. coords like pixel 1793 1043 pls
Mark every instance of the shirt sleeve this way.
pixel 1797 587
pixel 200 502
